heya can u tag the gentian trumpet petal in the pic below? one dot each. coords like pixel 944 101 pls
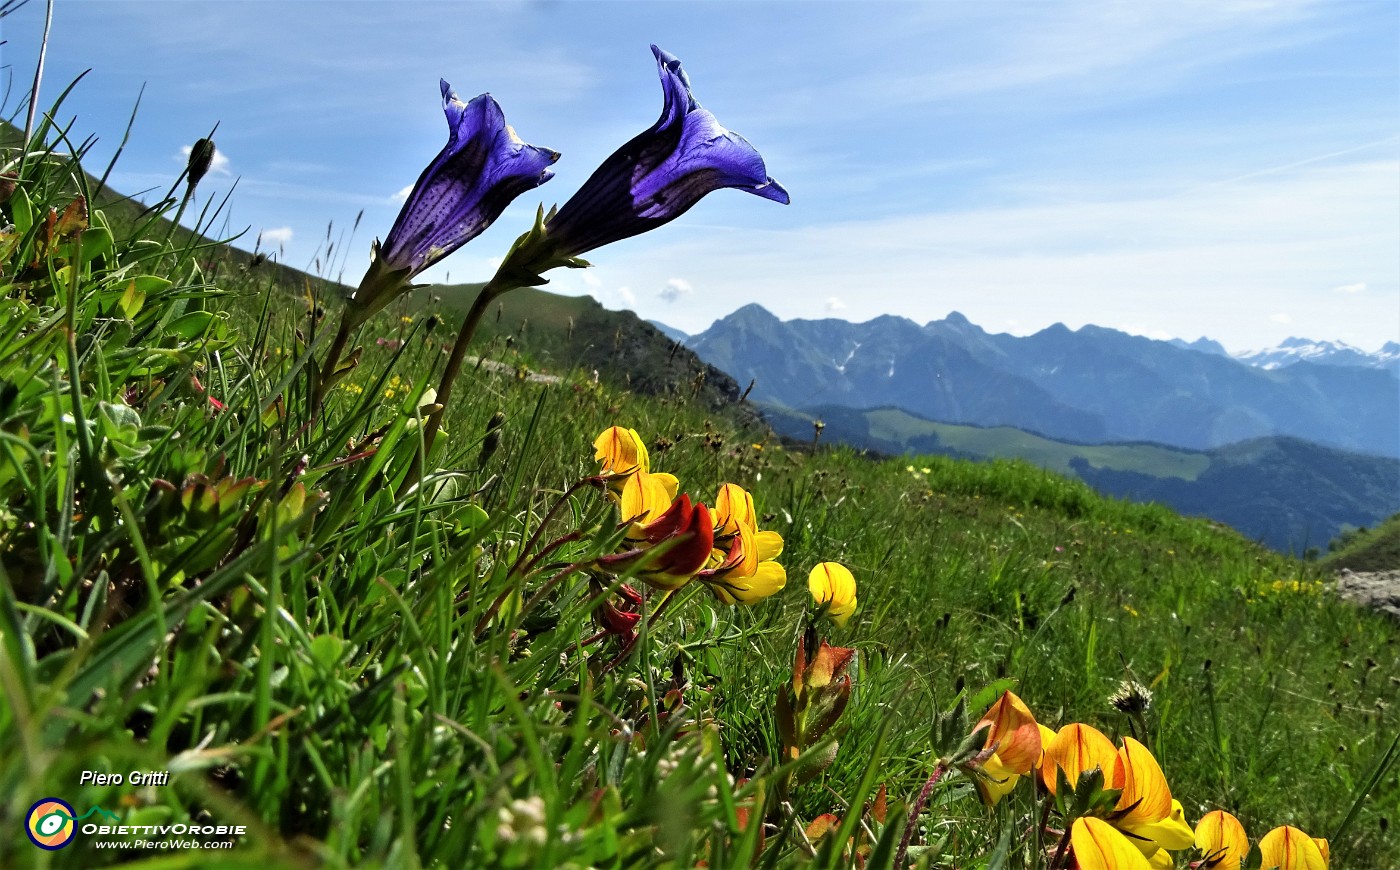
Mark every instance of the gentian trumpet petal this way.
pixel 660 174
pixel 482 168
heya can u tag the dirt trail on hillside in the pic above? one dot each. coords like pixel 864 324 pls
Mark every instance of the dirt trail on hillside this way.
pixel 1379 590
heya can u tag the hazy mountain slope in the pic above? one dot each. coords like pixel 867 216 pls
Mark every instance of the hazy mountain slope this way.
pixel 1290 494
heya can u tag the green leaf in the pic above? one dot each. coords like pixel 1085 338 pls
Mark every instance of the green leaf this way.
pixel 883 856
pixel 192 325
pixel 97 242
pixel 326 651
pixel 989 693
pixel 21 211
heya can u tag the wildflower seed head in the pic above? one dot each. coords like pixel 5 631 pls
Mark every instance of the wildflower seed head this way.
pixel 1132 698
pixel 201 158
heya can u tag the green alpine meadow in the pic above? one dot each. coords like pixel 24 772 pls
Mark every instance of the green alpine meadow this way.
pixel 297 573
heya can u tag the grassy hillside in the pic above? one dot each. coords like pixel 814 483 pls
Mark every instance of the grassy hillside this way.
pixel 206 572
pixel 574 334
pixel 1366 549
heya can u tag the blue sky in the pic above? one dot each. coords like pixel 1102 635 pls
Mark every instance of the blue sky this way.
pixel 1229 169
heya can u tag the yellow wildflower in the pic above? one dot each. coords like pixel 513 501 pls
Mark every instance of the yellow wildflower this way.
pixel 833 585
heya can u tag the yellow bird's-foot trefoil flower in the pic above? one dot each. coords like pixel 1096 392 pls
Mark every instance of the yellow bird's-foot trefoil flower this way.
pixel 1288 848
pixel 641 496
pixel 1075 750
pixel 1098 845
pixel 1003 746
pixel 742 568
pixel 1221 840
pixel 669 550
pixel 1125 788
pixel 833 588
pixel 1010 749
pixel 621 453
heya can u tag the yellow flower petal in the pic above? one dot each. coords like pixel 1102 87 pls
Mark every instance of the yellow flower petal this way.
pixel 833 582
pixel 1014 733
pixel 768 579
pixel 734 508
pixel 1288 848
pixel 669 482
pixel 644 498
pixel 1170 833
pixel 1097 846
pixel 1145 794
pixel 621 451
pixel 770 545
pixel 1046 735
pixel 1076 748
pixel 997 781
pixel 1222 841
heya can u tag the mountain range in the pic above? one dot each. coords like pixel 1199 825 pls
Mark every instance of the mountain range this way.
pixel 1327 353
pixel 1290 494
pixel 1089 385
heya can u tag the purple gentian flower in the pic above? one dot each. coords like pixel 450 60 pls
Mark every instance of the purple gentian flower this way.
pixel 466 187
pixel 661 173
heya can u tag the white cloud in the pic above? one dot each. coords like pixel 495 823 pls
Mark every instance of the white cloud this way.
pixel 1281 317
pixel 625 294
pixel 1358 287
pixel 274 236
pixel 1082 254
pixel 589 279
pixel 834 304
pixel 219 166
pixel 675 288
pixel 402 195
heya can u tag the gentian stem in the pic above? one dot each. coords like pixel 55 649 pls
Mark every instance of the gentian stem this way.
pixel 342 338
pixel 449 375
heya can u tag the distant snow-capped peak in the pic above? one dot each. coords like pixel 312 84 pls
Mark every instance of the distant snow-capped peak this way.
pixel 1334 353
